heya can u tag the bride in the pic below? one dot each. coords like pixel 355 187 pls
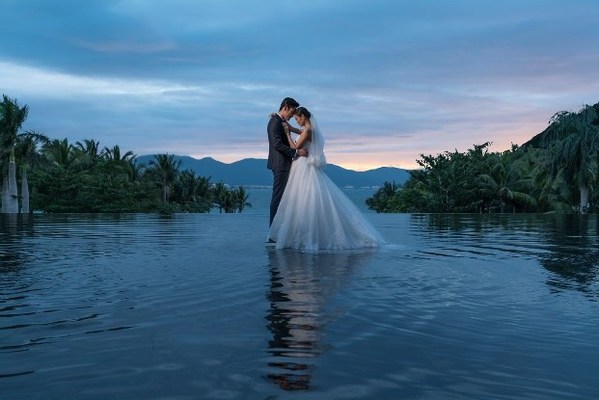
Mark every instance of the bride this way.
pixel 314 213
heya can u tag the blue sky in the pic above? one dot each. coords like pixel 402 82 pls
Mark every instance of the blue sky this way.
pixel 387 80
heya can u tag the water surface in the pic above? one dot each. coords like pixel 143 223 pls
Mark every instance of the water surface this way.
pixel 196 307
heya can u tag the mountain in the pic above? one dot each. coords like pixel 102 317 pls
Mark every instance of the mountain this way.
pixel 253 172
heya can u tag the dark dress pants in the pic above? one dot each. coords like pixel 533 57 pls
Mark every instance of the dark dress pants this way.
pixel 278 187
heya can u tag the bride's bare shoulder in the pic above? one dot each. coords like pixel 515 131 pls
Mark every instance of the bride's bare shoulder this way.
pixel 308 132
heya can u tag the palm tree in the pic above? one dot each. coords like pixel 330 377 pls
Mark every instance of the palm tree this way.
pixel 192 193
pixel 60 153
pixel 574 142
pixel 186 187
pixel 241 199
pixel 12 117
pixel 89 147
pixel 12 197
pixel 223 198
pixel 26 151
pixel 60 180
pixel 550 188
pixel 383 199
pixel 120 165
pixel 166 169
pixel 203 188
pixel 134 170
pixel 114 154
pixel 508 182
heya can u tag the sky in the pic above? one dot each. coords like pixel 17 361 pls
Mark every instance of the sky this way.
pixel 386 80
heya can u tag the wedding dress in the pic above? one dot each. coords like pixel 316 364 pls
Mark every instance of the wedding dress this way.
pixel 314 214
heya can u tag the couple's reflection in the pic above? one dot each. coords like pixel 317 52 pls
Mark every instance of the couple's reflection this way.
pixel 300 286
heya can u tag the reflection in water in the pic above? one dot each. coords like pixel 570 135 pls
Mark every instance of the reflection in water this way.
pixel 574 252
pixel 462 311
pixel 478 223
pixel 566 245
pixel 300 286
pixel 13 228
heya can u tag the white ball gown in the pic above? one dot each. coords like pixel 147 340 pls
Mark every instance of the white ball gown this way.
pixel 314 214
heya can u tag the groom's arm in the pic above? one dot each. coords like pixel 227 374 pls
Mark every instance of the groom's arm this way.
pixel 293 128
pixel 276 134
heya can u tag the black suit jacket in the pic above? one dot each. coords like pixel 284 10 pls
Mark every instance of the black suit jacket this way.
pixel 280 154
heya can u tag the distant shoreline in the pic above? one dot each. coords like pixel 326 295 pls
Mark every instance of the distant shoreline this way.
pixel 341 187
pixel 252 173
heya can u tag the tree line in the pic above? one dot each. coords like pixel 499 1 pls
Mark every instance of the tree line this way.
pixel 53 175
pixel 555 171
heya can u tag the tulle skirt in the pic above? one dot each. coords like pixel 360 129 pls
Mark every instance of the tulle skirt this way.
pixel 315 215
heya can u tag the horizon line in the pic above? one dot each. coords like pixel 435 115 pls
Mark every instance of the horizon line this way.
pixel 265 159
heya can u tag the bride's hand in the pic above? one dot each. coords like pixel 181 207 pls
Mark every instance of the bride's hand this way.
pixel 302 152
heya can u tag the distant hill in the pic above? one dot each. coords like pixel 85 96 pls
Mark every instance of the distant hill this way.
pixel 253 172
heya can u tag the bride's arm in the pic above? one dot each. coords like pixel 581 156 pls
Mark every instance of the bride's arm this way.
pixel 294 129
pixel 292 144
pixel 304 135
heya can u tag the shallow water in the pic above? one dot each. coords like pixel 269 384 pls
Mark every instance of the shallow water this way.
pixel 195 307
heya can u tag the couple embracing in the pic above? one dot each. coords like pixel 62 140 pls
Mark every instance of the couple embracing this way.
pixel 308 212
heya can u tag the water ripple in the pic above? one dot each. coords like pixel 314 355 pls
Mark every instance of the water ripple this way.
pixel 194 306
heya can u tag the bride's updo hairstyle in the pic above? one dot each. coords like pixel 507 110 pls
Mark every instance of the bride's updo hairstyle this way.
pixel 303 111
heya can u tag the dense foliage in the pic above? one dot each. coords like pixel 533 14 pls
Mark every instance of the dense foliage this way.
pixel 556 171
pixel 83 177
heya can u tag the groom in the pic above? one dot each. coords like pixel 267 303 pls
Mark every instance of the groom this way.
pixel 280 154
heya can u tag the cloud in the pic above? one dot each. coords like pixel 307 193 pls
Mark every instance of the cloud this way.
pixel 387 81
pixel 45 83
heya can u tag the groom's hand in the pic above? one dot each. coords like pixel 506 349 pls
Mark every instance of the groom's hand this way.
pixel 302 152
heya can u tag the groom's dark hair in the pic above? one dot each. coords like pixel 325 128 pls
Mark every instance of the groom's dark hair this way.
pixel 289 102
